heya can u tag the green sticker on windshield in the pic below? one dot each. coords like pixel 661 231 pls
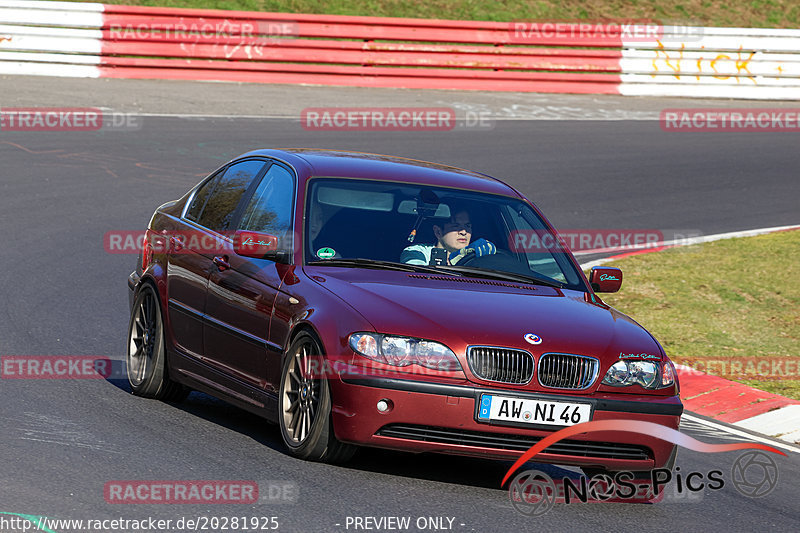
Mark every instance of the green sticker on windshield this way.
pixel 326 253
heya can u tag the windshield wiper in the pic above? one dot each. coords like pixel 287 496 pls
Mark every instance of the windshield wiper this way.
pixel 374 263
pixel 508 276
pixel 444 269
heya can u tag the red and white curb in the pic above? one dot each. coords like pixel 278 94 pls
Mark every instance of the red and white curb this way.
pixel 722 399
pixel 740 405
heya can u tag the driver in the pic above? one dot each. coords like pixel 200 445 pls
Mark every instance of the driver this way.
pixel 454 236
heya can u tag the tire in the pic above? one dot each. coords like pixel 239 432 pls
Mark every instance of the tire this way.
pixel 146 359
pixel 304 407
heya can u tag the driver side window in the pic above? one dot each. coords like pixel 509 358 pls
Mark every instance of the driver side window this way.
pixel 270 209
pixel 215 204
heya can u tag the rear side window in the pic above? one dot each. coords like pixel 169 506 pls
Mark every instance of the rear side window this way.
pixel 201 197
pixel 270 209
pixel 226 192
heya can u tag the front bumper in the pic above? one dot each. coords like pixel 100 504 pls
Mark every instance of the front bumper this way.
pixel 434 417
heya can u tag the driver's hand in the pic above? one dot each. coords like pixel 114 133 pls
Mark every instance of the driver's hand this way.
pixel 455 257
pixel 480 248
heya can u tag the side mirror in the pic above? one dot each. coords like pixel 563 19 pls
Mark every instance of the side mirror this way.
pixel 258 245
pixel 605 279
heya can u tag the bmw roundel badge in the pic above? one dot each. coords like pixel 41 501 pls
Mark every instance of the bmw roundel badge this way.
pixel 533 338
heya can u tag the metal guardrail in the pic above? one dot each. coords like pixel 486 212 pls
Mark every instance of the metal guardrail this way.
pixel 103 40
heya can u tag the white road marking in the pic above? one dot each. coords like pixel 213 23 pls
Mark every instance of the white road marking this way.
pixel 544 108
pixel 700 429
pixel 744 434
pixel 56 430
pixel 778 423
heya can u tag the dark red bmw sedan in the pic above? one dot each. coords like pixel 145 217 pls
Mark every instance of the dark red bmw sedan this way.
pixel 366 300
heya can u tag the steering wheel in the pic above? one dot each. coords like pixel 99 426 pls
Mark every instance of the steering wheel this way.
pixel 471 258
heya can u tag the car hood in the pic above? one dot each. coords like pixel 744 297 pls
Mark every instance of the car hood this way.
pixel 470 311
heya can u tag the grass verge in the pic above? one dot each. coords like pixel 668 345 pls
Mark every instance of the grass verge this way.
pixel 739 13
pixel 735 298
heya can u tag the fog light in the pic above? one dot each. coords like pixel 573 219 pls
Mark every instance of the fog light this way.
pixel 384 405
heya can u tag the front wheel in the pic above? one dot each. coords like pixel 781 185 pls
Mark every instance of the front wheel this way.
pixel 146 361
pixel 305 406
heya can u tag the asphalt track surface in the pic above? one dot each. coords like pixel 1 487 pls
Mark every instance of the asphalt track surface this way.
pixel 62 294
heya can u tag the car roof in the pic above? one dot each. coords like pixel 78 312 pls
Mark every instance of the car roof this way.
pixel 337 163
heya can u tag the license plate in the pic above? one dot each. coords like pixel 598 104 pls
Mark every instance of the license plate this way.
pixel 533 411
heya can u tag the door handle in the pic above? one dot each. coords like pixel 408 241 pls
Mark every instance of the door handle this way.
pixel 222 262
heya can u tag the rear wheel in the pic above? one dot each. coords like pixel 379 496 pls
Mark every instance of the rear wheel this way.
pixel 305 406
pixel 146 361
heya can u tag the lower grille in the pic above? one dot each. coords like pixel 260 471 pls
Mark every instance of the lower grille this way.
pixel 498 441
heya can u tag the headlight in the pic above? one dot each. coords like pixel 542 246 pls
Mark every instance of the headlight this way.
pixel 398 351
pixel 404 351
pixel 648 374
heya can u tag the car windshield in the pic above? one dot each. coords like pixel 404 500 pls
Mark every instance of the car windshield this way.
pixel 456 231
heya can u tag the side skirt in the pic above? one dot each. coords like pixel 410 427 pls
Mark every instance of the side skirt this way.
pixel 196 375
